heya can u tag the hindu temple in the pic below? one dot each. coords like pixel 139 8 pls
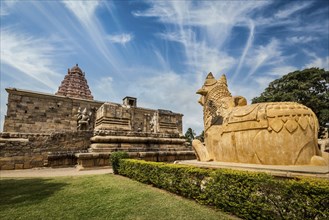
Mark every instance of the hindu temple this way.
pixel 70 128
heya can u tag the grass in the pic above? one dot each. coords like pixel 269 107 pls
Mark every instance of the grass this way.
pixel 95 197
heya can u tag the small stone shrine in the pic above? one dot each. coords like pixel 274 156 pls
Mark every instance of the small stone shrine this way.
pixel 147 134
pixel 71 128
pixel 273 133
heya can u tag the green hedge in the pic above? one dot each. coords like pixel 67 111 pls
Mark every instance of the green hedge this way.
pixel 248 195
pixel 115 157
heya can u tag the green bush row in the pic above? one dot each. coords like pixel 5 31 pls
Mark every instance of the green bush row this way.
pixel 248 195
pixel 115 157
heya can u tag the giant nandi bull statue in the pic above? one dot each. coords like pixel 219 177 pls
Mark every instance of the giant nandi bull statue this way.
pixel 276 133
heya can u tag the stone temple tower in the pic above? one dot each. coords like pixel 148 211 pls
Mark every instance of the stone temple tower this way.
pixel 75 85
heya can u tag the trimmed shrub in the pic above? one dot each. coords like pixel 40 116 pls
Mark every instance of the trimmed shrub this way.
pixel 115 157
pixel 249 195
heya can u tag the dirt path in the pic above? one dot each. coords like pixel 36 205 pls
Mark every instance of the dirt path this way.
pixel 51 172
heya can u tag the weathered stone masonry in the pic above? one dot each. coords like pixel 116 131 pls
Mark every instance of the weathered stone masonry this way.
pixel 28 150
pixel 41 129
pixel 70 128
pixel 36 112
pixel 40 126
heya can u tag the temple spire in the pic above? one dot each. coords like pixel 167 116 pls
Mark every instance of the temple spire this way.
pixel 75 85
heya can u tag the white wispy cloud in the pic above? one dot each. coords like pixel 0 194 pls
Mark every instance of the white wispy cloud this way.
pixel 317 28
pixel 321 62
pixel 214 20
pixel 210 59
pixel 176 37
pixel 264 81
pixel 264 55
pixel 165 65
pixel 281 70
pixel 172 91
pixel 3 11
pixel 205 52
pixel 315 60
pixel 85 12
pixel 203 13
pixel 6 6
pixel 104 88
pixel 293 8
pixel 289 16
pixel 301 39
pixel 246 48
pixel 200 56
pixel 162 10
pixel 120 38
pixel 32 56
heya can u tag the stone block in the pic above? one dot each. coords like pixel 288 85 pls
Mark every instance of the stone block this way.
pixel 86 162
pixel 19 166
pixel 37 161
pixel 100 162
pixel 26 165
pixel 8 166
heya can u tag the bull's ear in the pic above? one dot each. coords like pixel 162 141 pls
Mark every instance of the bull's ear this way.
pixel 223 79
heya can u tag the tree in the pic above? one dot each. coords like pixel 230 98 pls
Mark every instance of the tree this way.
pixel 189 135
pixel 309 87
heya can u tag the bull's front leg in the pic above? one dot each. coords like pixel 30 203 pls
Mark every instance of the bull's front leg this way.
pixel 200 151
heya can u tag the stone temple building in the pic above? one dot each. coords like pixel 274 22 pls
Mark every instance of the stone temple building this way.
pixel 70 127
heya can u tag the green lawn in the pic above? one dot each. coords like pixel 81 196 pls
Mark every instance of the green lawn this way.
pixel 95 197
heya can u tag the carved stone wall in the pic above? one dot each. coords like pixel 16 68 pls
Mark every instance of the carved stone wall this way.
pixel 169 122
pixel 147 134
pixel 115 117
pixel 34 112
pixel 28 150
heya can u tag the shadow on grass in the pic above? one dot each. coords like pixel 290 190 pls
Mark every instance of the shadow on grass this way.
pixel 22 192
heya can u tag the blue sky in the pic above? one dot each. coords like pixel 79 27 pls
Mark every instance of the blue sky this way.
pixel 160 51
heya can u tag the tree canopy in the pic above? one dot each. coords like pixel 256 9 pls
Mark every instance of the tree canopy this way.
pixel 189 135
pixel 309 87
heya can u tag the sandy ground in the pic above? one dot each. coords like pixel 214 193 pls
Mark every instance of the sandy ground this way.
pixel 51 172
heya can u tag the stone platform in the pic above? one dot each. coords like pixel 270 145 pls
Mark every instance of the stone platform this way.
pixel 149 146
pixel 97 160
pixel 137 142
pixel 275 170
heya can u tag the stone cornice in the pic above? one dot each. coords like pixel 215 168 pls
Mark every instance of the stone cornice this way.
pixel 41 94
pixel 60 97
